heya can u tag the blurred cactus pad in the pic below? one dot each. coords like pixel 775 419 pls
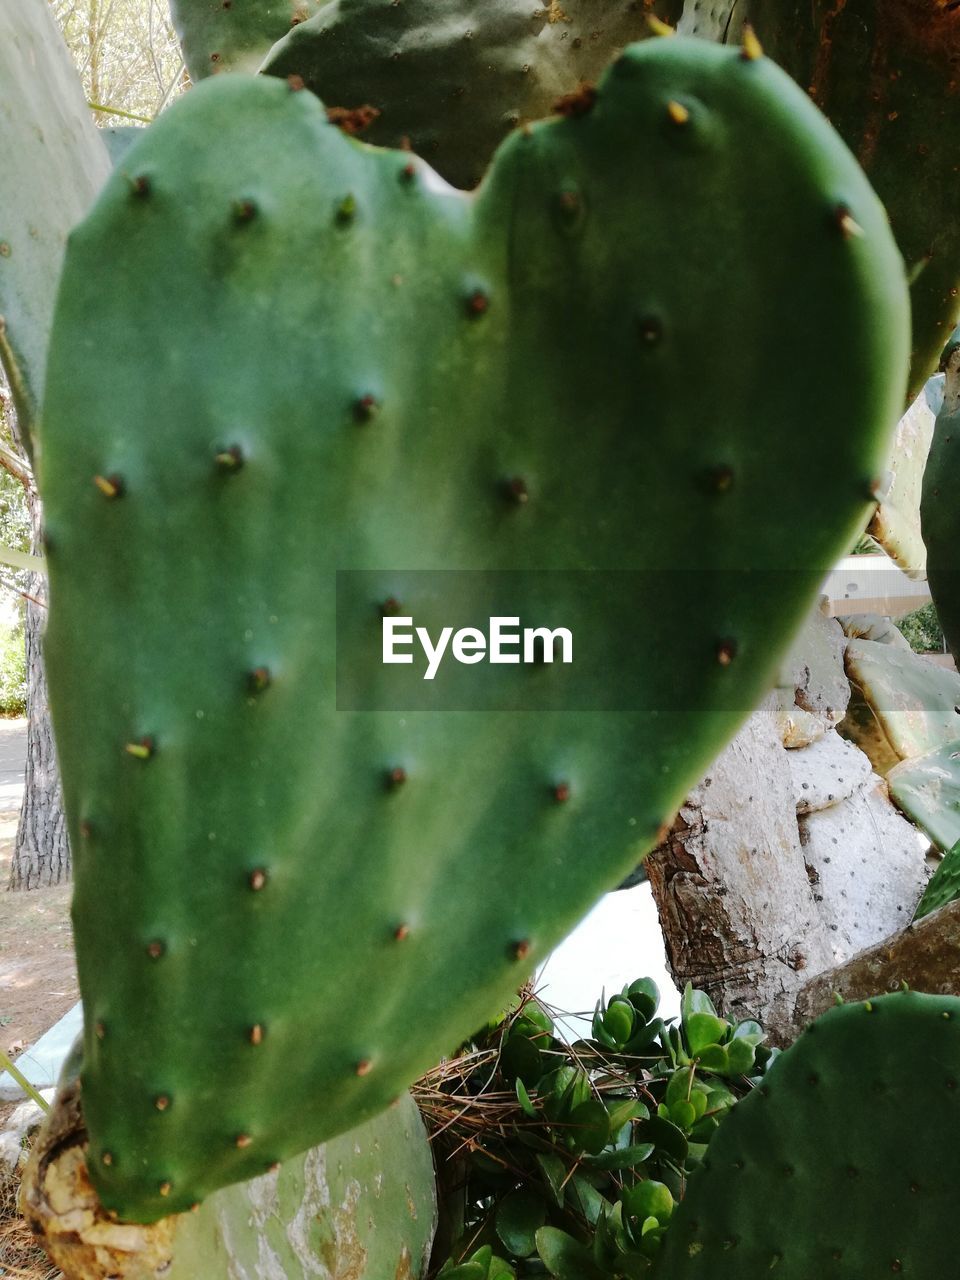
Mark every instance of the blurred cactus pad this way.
pixel 279 353
pixel 822 1170
pixel 453 79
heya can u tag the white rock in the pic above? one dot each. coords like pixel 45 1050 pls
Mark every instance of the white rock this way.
pixel 826 772
pixel 813 690
pixel 867 867
pixel 19 1125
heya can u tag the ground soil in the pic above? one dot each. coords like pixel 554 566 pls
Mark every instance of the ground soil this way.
pixel 38 984
pixel 38 981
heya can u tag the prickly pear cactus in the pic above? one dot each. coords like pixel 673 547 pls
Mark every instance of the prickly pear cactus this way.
pixel 902 705
pixel 824 1169
pixel 927 789
pixel 454 79
pixel 939 521
pixel 233 35
pixel 363 1205
pixel 895 524
pixel 53 164
pixel 944 884
pixel 884 72
pixel 279 354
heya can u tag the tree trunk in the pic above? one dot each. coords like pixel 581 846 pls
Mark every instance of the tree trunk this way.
pixel 731 886
pixel 784 863
pixel 42 853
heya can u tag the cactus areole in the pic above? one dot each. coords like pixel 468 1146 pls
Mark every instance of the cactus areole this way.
pixel 606 359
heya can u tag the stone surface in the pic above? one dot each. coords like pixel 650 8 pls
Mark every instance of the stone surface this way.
pixel 867 867
pixel 797 728
pixel 20 1124
pixel 826 772
pixel 813 688
pixel 925 955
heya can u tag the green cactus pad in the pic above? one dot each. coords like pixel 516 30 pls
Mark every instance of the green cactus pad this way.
pixel 873 626
pixel 119 139
pixel 927 789
pixel 895 524
pixel 939 517
pixel 944 884
pixel 362 1205
pixel 902 705
pixel 454 79
pixel 834 1166
pixel 884 72
pixel 233 35
pixel 285 912
pixel 53 164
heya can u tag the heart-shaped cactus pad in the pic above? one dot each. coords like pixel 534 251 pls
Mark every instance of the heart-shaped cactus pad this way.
pixel 651 365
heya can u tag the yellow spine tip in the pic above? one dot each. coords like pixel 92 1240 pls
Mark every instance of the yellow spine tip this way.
pixel 677 112
pixel 108 487
pixel 849 225
pixel 751 49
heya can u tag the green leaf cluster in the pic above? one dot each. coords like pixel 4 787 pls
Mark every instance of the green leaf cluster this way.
pixel 567 1160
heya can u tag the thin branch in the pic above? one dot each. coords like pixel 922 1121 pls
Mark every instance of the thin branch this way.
pixel 23 560
pixel 171 86
pixel 17 467
pixel 23 403
pixel 118 111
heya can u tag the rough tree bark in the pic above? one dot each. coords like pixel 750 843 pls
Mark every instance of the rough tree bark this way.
pixel 41 856
pixel 735 901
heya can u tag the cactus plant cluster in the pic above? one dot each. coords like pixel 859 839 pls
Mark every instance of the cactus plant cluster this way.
pixel 761 1183
pixel 294 418
pixel 369 373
